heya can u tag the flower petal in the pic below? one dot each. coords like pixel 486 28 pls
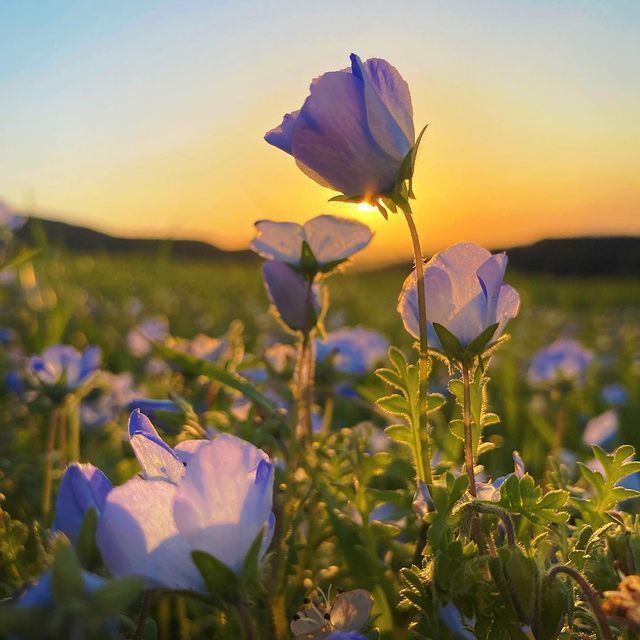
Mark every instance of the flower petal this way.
pixel 380 84
pixel 280 241
pixel 351 610
pixel 137 535
pixel 225 499
pixel 334 239
pixel 281 136
pixel 331 140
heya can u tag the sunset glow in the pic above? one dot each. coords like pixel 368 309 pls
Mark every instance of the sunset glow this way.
pixel 148 119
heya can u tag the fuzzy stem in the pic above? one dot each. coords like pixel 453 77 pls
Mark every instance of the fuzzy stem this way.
pixel 468 434
pixel 423 472
pixel 73 415
pixel 591 595
pixel 54 420
pixel 145 606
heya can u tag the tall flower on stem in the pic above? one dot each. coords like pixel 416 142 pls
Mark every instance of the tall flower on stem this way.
pixel 355 134
pixel 298 256
pixel 468 311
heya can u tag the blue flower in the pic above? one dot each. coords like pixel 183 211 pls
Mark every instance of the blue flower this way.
pixel 214 496
pixel 40 594
pixel 62 365
pixel 353 131
pixel 614 394
pixel 355 351
pixel 10 220
pixel 465 294
pixel 320 244
pixel 289 293
pixel 83 487
pixel 601 430
pixel 139 338
pixel 565 360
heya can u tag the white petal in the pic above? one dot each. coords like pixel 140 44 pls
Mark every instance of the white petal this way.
pixel 225 499
pixel 157 459
pixel 351 610
pixel 137 535
pixel 334 239
pixel 278 241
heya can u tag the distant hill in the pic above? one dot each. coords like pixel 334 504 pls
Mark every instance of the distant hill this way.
pixel 588 256
pixel 84 240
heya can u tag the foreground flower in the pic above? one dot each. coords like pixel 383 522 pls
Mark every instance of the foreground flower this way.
pixel 624 604
pixel 353 131
pixel 320 244
pixel 465 295
pixel 213 496
pixel 342 619
pixel 297 301
pixel 83 487
pixel 354 350
pixel 64 366
pixel 565 360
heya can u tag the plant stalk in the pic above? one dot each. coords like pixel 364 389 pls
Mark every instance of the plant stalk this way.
pixel 423 471
pixel 468 433
pixel 591 595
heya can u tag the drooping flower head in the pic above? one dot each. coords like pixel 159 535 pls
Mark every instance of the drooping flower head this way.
pixel 64 366
pixel 354 131
pixel 83 487
pixel 563 361
pixel 465 295
pixel 320 244
pixel 299 303
pixel 213 496
pixel 354 350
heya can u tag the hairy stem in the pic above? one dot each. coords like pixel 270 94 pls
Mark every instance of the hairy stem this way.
pixel 591 596
pixel 54 422
pixel 468 433
pixel 423 471
pixel 145 606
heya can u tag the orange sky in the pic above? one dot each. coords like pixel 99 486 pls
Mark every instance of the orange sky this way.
pixel 148 120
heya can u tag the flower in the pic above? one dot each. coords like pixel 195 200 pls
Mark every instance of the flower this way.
pixel 564 360
pixel 290 294
pixel 118 390
pixel 208 495
pixel 624 604
pixel 65 366
pixel 354 351
pixel 203 347
pixel 465 295
pixel 490 491
pixel 614 394
pixel 601 430
pixel 138 338
pixel 353 131
pixel 320 244
pixel 343 618
pixel 83 487
pixel 40 594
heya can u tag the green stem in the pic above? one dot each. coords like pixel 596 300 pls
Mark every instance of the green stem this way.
pixel 468 433
pixel 54 419
pixel 73 414
pixel 245 621
pixel 145 606
pixel 591 595
pixel 424 472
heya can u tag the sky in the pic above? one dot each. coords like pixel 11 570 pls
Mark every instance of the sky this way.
pixel 147 118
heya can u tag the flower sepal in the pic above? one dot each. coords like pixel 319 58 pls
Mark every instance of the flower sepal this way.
pixel 456 352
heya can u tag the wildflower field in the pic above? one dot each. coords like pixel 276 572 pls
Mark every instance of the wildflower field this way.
pixel 291 448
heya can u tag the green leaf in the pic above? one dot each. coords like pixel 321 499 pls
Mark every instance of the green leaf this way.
pixel 66 573
pixel 251 565
pixel 451 346
pixel 524 497
pixel 478 345
pixel 116 596
pixel 221 582
pixel 308 262
pixel 553 599
pixel 86 547
pixel 400 433
pixel 196 366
